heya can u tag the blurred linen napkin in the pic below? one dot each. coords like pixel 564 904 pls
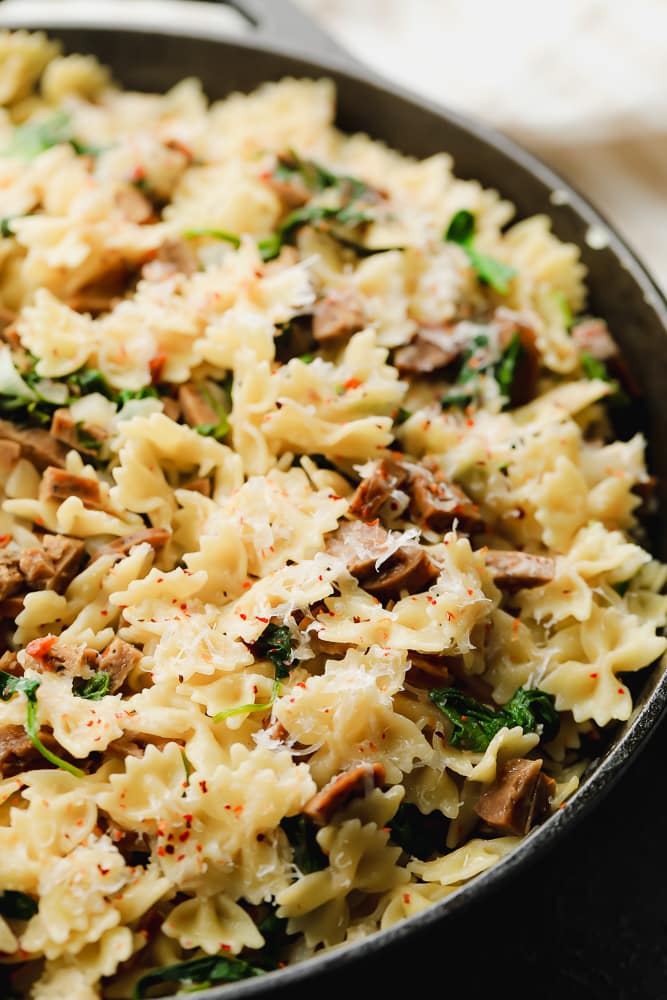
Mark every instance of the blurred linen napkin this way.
pixel 581 83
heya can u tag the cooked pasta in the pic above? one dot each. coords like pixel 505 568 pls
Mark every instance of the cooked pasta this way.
pixel 323 568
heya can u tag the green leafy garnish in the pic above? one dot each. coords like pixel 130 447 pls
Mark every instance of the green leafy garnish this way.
pixel 506 368
pixel 216 234
pixel 419 834
pixel 197 974
pixel 33 138
pixel 479 360
pixel 475 725
pixel 9 686
pixel 93 688
pixel 302 835
pixel 596 369
pixel 220 429
pixel 317 178
pixel 402 415
pixel 16 905
pixel 5 225
pixel 85 439
pixel 492 272
pixel 275 644
pixel 270 247
pixel 125 395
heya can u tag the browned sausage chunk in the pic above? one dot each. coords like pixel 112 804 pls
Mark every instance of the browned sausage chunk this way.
pixel 196 408
pixel 513 570
pixel 356 781
pixel 58 485
pixel 118 660
pixel 36 444
pixel 18 754
pixel 85 438
pixel 409 570
pixel 373 492
pixel 336 316
pixel 361 545
pixel 519 798
pixel 430 350
pixel 157 537
pixel 11 578
pixel 54 564
pixel 437 503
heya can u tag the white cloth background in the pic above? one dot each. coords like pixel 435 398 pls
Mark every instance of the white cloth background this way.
pixel 582 83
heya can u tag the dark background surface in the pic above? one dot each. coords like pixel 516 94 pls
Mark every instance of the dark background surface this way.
pixel 587 920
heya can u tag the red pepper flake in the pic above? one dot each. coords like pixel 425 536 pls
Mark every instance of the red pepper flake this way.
pixel 180 857
pixel 183 607
pixel 155 367
pixel 4 539
pixel 241 615
pixel 406 898
pixel 103 871
pixel 184 836
pixel 264 620
pixel 103 611
pixel 593 675
pixel 203 786
pixel 352 383
pixel 39 648
pixel 161 851
pixel 621 690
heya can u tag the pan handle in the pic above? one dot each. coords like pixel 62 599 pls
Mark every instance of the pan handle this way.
pixel 284 23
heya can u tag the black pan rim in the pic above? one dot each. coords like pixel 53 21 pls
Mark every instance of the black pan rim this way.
pixel 647 714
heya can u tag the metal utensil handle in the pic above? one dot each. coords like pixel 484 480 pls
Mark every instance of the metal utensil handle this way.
pixel 282 22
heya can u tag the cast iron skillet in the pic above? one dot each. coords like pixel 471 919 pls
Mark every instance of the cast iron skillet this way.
pixel 282 42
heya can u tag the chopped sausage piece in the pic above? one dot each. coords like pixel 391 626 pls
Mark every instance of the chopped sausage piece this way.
pixel 513 570
pixel 336 316
pixel 84 437
pixel 134 744
pixel 36 444
pixel 11 578
pixel 438 503
pixel 291 189
pixel 527 367
pixel 409 569
pixel 54 564
pixel 18 753
pixel 133 205
pixel 157 537
pixel 202 484
pixel 57 657
pixel 377 488
pixel 196 408
pixel 359 544
pixel 356 781
pixel 10 452
pixel 519 798
pixel 118 660
pixel 58 485
pixel 430 350
pixel 67 556
pixel 170 407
